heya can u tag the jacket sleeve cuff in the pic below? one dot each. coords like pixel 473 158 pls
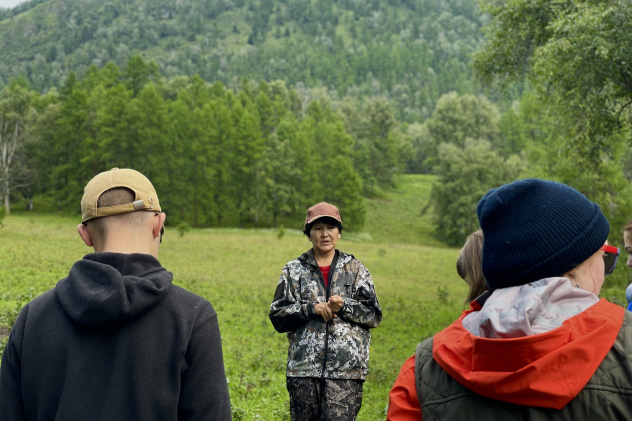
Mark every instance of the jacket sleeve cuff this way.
pixel 346 308
pixel 310 310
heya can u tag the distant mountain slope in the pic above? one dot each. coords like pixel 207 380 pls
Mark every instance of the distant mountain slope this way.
pixel 411 51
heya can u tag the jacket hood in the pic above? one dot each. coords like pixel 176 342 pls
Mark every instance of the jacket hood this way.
pixel 545 370
pixel 529 309
pixel 109 288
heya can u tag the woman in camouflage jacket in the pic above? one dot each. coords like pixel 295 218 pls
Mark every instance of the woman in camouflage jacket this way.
pixel 325 301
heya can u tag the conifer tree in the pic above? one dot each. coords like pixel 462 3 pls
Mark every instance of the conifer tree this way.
pixel 71 125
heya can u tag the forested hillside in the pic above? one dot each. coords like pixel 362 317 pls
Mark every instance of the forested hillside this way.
pixel 409 51
pixel 245 112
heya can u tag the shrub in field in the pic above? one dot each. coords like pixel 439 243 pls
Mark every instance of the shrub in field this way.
pixel 183 228
pixel 443 294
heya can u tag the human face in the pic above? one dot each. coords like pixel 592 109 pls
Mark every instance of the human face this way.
pixel 627 240
pixel 324 237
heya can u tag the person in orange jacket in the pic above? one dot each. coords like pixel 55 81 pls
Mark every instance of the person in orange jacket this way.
pixel 541 345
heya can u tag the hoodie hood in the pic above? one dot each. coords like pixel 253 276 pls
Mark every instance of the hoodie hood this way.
pixel 545 370
pixel 528 309
pixel 109 288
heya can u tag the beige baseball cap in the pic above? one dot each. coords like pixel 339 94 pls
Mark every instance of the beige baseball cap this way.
pixel 321 210
pixel 145 199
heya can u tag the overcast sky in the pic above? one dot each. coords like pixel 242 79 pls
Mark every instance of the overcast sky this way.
pixel 7 4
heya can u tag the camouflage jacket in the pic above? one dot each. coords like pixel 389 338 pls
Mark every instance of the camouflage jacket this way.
pixel 338 349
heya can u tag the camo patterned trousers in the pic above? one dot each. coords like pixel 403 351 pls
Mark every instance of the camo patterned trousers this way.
pixel 313 399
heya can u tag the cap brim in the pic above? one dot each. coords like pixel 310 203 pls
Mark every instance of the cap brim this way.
pixel 309 221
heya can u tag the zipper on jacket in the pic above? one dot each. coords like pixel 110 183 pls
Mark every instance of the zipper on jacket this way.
pixel 332 269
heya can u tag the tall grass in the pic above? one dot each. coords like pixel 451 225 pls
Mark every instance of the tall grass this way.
pixel 237 271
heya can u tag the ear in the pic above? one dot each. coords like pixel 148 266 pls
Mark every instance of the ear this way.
pixel 339 234
pixel 159 222
pixel 85 235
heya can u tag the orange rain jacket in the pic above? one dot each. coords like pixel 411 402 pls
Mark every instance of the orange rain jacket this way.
pixel 545 370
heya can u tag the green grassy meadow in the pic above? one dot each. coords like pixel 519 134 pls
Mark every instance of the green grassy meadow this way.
pixel 237 271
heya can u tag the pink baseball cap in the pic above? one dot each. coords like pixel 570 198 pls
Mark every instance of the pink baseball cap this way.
pixel 321 210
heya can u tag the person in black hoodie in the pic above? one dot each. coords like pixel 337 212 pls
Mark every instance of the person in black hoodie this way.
pixel 116 340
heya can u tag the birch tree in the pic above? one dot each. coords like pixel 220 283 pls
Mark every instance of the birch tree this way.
pixel 15 102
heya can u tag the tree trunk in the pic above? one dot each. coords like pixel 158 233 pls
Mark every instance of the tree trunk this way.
pixel 8 145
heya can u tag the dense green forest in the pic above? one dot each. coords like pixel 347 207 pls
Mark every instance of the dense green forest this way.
pixel 409 51
pixel 243 95
pixel 217 156
pixel 242 156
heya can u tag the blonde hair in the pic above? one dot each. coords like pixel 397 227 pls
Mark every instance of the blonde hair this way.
pixel 468 265
pixel 628 226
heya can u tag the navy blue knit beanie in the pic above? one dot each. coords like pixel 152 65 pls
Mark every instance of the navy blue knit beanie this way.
pixel 536 229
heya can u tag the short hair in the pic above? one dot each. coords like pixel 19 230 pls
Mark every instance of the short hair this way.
pixel 114 197
pixel 628 226
pixel 469 268
pixel 326 220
